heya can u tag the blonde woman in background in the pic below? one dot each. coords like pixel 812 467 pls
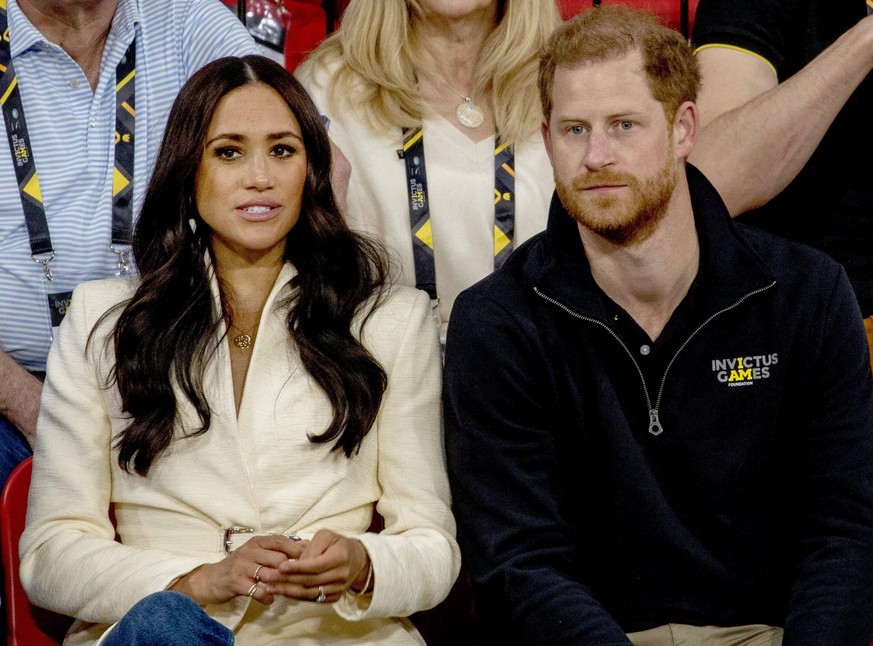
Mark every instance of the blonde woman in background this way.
pixel 434 105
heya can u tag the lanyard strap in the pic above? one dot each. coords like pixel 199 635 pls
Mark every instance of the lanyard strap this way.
pixel 122 175
pixel 20 146
pixel 412 154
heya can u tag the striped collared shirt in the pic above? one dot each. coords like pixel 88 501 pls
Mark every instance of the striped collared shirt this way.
pixel 72 133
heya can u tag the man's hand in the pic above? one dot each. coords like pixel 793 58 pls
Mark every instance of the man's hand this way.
pixel 19 396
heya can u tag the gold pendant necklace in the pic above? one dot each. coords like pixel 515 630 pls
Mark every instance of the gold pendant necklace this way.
pixel 244 340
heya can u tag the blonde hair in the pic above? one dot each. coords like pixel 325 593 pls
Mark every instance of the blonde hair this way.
pixel 373 52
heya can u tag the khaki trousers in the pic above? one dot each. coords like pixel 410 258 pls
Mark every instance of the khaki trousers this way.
pixel 682 635
pixel 868 326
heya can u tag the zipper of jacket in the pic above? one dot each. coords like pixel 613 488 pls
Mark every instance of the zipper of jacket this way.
pixel 655 427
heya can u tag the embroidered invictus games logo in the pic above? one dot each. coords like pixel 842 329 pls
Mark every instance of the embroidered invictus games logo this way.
pixel 744 371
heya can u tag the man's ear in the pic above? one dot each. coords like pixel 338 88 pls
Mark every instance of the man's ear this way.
pixel 544 130
pixel 686 126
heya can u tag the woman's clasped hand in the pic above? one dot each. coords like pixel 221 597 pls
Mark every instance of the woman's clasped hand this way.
pixel 265 567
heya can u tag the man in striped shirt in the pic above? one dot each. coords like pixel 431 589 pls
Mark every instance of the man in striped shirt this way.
pixel 86 75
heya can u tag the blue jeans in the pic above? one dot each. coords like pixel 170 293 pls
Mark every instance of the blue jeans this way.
pixel 168 619
pixel 14 449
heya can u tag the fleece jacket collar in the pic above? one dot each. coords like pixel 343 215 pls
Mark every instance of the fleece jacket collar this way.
pixel 729 268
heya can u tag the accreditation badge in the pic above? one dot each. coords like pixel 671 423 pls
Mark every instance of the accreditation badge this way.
pixel 58 304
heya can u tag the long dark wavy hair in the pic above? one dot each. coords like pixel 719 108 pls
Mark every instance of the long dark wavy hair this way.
pixel 166 333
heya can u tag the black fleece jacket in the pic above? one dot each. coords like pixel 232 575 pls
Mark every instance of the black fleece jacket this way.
pixel 721 475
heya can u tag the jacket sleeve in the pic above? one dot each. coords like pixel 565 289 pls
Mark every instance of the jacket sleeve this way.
pixel 70 562
pixel 831 600
pixel 415 557
pixel 501 448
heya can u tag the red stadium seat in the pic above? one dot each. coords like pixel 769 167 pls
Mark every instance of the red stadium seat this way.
pixel 27 625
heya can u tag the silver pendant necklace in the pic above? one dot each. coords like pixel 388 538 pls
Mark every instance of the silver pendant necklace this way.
pixel 468 113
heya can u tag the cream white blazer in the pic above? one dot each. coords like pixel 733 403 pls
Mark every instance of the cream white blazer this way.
pixel 256 469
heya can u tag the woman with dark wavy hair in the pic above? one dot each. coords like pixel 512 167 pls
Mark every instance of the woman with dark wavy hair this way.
pixel 245 407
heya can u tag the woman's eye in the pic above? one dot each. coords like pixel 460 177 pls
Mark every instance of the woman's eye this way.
pixel 227 153
pixel 284 151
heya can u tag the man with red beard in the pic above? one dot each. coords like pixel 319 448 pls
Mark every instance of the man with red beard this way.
pixel 659 423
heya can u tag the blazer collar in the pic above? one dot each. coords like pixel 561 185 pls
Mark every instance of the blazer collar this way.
pixel 281 288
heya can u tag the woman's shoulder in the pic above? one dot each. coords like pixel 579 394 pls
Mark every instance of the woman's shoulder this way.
pixel 332 100
pixel 401 312
pixel 400 302
pixel 406 297
pixel 105 292
pixel 317 71
pixel 94 298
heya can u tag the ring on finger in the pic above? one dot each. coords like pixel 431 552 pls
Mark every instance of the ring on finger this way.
pixel 321 598
pixel 252 589
pixel 255 575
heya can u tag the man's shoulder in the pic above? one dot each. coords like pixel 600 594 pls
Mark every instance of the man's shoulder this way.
pixel 209 25
pixel 178 10
pixel 808 281
pixel 507 290
pixel 518 270
pixel 788 258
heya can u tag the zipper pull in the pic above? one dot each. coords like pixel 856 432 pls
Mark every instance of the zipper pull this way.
pixel 655 427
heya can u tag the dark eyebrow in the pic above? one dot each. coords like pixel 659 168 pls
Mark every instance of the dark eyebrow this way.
pixel 274 136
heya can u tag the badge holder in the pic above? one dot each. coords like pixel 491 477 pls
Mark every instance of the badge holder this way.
pixel 122 264
pixel 58 300
pixel 58 304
